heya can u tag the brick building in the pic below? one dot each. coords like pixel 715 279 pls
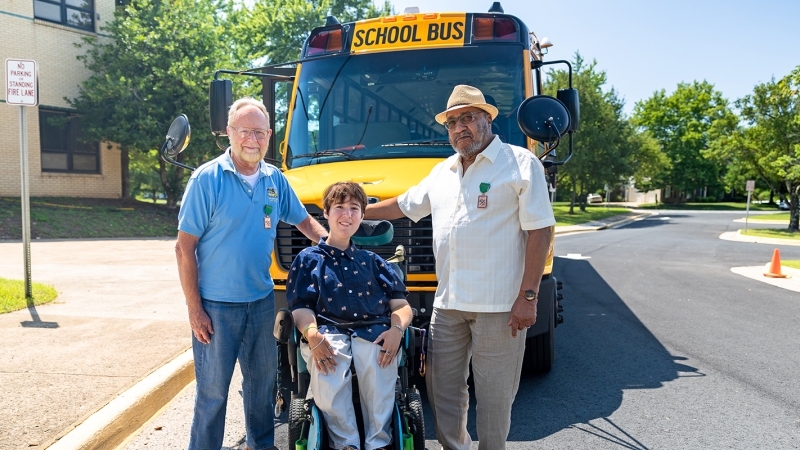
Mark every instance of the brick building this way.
pixel 59 164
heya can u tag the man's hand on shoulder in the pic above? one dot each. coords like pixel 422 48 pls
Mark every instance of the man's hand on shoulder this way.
pixel 523 315
pixel 201 325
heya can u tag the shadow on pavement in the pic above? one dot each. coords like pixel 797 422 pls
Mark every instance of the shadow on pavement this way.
pixel 602 349
pixel 36 321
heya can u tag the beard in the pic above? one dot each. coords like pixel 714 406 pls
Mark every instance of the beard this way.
pixel 478 140
pixel 249 157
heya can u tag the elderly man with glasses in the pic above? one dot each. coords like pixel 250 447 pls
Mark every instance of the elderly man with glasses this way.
pixel 492 223
pixel 226 230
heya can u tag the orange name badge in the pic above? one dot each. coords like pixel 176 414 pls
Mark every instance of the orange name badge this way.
pixel 409 31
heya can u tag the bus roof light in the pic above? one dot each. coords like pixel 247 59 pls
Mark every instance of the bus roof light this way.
pixel 482 28
pixel 325 42
pixel 494 29
pixel 505 29
pixel 409 17
pixel 430 15
pixel 411 10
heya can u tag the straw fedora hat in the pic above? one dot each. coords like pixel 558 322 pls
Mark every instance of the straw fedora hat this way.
pixel 464 96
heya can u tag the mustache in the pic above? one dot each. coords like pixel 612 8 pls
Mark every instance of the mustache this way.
pixel 465 133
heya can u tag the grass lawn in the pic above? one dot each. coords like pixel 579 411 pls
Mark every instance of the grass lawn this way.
pixel 71 218
pixel 772 233
pixel 793 263
pixel 595 212
pixel 721 206
pixel 12 295
pixel 776 217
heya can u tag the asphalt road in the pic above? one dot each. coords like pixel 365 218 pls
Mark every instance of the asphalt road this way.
pixel 663 347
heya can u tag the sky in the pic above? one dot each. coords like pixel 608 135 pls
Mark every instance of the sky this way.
pixel 645 46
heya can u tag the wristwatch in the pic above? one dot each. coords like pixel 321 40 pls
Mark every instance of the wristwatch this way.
pixel 529 294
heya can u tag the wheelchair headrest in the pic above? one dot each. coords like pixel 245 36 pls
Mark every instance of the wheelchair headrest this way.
pixel 373 233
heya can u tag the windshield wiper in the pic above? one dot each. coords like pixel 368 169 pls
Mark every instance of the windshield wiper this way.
pixel 346 155
pixel 432 142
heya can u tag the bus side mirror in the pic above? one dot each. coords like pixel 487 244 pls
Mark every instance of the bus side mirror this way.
pixel 220 98
pixel 178 136
pixel 543 118
pixel 569 97
pixel 177 140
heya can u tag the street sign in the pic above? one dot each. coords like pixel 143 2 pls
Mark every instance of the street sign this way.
pixel 751 185
pixel 21 90
pixel 21 82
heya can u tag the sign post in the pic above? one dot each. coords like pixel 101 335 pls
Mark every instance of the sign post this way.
pixel 751 186
pixel 21 89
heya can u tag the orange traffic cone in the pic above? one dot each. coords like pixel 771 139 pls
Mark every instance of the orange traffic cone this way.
pixel 775 266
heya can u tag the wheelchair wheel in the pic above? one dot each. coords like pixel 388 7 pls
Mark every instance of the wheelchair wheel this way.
pixel 296 418
pixel 416 422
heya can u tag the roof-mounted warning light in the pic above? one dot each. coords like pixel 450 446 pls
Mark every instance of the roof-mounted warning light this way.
pixel 494 29
pixel 325 41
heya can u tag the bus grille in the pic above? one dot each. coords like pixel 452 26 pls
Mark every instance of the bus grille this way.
pixel 417 238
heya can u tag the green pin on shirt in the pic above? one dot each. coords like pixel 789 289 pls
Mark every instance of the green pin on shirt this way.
pixel 267 218
pixel 483 200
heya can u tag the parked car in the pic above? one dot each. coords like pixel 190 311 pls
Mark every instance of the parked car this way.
pixel 783 205
pixel 594 198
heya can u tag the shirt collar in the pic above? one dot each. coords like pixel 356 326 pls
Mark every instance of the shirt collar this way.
pixel 490 152
pixel 331 250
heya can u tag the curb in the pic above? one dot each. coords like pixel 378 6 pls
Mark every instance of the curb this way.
pixel 626 220
pixel 123 416
pixel 600 226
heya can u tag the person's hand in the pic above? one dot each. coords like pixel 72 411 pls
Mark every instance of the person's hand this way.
pixel 523 315
pixel 391 343
pixel 201 325
pixel 321 351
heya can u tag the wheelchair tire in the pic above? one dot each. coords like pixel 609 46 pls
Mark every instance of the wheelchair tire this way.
pixel 416 419
pixel 296 415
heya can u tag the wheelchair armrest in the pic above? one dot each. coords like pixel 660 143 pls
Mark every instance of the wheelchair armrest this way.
pixel 284 326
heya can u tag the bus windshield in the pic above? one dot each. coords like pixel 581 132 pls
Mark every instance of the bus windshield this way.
pixel 382 105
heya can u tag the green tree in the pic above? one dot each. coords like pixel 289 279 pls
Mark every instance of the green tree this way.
pixel 273 31
pixel 680 122
pixel 154 65
pixel 769 145
pixel 606 144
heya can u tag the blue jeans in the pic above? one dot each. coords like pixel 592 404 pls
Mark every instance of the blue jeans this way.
pixel 242 331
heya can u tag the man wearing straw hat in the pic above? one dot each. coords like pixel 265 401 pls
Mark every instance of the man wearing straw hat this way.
pixel 491 233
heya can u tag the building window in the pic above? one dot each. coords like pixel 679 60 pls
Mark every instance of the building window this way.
pixel 62 147
pixel 72 13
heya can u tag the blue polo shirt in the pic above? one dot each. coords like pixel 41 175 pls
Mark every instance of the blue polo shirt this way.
pixel 234 252
pixel 344 286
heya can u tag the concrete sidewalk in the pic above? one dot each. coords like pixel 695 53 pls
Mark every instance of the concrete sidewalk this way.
pixel 88 370
pixel 119 316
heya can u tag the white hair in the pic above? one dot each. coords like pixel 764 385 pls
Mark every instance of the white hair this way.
pixel 246 101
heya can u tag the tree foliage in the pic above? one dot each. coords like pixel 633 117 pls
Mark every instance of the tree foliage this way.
pixel 154 66
pixel 273 31
pixel 680 122
pixel 160 56
pixel 606 144
pixel 769 144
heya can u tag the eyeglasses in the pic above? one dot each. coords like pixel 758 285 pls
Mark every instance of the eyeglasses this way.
pixel 465 119
pixel 245 133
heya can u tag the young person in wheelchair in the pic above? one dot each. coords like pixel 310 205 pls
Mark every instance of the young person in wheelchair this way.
pixel 335 282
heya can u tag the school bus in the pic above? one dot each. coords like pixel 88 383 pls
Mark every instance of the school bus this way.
pixel 360 103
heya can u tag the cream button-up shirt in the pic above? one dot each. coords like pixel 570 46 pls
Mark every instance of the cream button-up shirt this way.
pixel 480 252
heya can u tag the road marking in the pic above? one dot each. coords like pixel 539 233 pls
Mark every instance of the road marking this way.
pixel 575 256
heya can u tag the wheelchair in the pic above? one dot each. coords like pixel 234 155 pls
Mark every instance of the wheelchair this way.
pixel 307 429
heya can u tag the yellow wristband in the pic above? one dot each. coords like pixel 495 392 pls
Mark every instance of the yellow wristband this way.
pixel 305 330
